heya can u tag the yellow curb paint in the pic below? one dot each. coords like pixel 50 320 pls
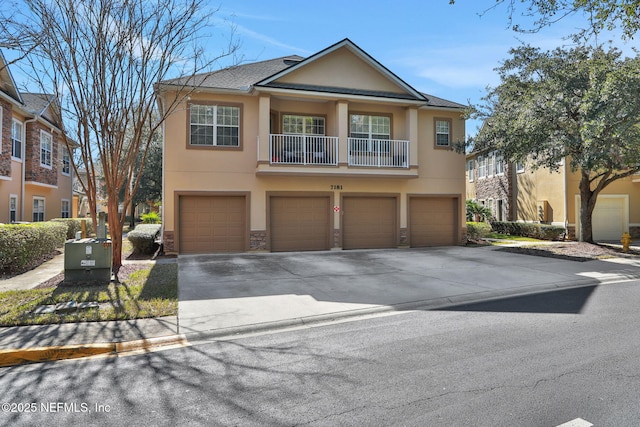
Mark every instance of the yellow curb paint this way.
pixel 149 343
pixel 12 357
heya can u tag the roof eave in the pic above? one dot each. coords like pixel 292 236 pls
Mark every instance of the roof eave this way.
pixel 333 95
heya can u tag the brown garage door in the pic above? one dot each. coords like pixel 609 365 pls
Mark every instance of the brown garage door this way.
pixel 212 224
pixel 433 221
pixel 300 223
pixel 369 222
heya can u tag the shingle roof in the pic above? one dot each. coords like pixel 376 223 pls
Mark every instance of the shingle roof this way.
pixel 239 76
pixel 38 104
pixel 242 77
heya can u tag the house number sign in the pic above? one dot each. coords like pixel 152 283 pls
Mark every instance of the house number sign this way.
pixel 336 186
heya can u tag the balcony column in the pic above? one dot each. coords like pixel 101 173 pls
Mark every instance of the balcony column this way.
pixel 342 131
pixel 412 134
pixel 264 111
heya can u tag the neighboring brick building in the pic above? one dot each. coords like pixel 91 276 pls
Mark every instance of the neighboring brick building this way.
pixel 35 166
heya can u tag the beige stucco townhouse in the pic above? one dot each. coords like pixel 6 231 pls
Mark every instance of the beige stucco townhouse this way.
pixel 333 151
pixel 35 165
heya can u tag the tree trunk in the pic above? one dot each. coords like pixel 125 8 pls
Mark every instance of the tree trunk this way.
pixel 587 203
pixel 115 230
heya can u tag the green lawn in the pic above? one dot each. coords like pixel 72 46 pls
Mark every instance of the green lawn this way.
pixel 151 290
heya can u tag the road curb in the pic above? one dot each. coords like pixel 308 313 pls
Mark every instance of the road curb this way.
pixel 13 357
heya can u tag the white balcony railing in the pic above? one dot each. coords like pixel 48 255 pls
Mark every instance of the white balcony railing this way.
pixel 381 153
pixel 303 150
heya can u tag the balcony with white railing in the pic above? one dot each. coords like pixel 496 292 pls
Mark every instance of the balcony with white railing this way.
pixel 319 155
pixel 315 150
pixel 378 153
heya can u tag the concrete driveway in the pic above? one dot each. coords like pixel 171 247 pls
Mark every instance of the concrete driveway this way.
pixel 221 294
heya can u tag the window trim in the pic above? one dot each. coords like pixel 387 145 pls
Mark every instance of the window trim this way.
pixel 304 115
pixel 491 164
pixel 499 160
pixel 50 151
pixel 13 141
pixel 62 211
pixel 371 148
pixel 13 198
pixel 44 209
pixel 471 170
pixel 65 150
pixel 238 147
pixel 482 167
pixel 435 132
pixel 520 167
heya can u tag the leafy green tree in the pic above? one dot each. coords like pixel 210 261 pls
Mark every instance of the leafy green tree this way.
pixel 602 14
pixel 580 104
pixel 477 212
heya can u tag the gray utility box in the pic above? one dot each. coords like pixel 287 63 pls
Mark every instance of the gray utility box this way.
pixel 87 260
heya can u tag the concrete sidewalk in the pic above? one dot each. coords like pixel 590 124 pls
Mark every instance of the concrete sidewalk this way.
pixel 223 295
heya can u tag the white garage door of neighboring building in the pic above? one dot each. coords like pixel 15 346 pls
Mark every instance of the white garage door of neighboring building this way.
pixel 609 219
pixel 212 224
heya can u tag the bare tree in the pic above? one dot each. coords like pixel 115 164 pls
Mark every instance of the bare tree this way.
pixel 103 59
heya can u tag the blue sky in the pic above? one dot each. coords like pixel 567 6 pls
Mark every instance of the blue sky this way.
pixel 449 51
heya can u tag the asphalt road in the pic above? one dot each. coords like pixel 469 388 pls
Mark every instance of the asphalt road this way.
pixel 542 360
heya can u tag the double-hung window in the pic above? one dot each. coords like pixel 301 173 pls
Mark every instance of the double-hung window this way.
pixel 491 157
pixel 214 126
pixel 499 164
pixel 66 162
pixel 65 208
pixel 470 170
pixel 443 132
pixel 13 208
pixel 370 133
pixel 46 142
pixel 38 209
pixel 482 167
pixel 16 139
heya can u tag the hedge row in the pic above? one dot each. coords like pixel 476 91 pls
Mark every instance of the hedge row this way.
pixel 144 237
pixel 22 246
pixel 529 229
pixel 477 230
pixel 75 224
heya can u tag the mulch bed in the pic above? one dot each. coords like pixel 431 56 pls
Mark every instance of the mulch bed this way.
pixel 573 251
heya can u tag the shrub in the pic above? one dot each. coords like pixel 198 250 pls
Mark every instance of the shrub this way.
pixel 75 224
pixel 22 246
pixel 529 229
pixel 150 218
pixel 143 238
pixel 477 230
pixel 477 212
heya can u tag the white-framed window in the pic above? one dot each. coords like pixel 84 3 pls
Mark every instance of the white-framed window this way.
pixel 470 170
pixel 214 125
pixel 519 167
pixel 491 157
pixel 38 209
pixel 499 164
pixel 66 208
pixel 443 132
pixel 46 144
pixel 368 131
pixel 303 125
pixel 482 167
pixel 66 161
pixel 13 208
pixel 16 139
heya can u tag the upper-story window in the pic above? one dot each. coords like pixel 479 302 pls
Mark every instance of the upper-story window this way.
pixel 66 162
pixel 368 130
pixel 16 139
pixel 482 167
pixel 214 125
pixel 65 210
pixel 470 170
pixel 443 132
pixel 46 142
pixel 519 167
pixel 303 125
pixel 491 157
pixel 499 164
